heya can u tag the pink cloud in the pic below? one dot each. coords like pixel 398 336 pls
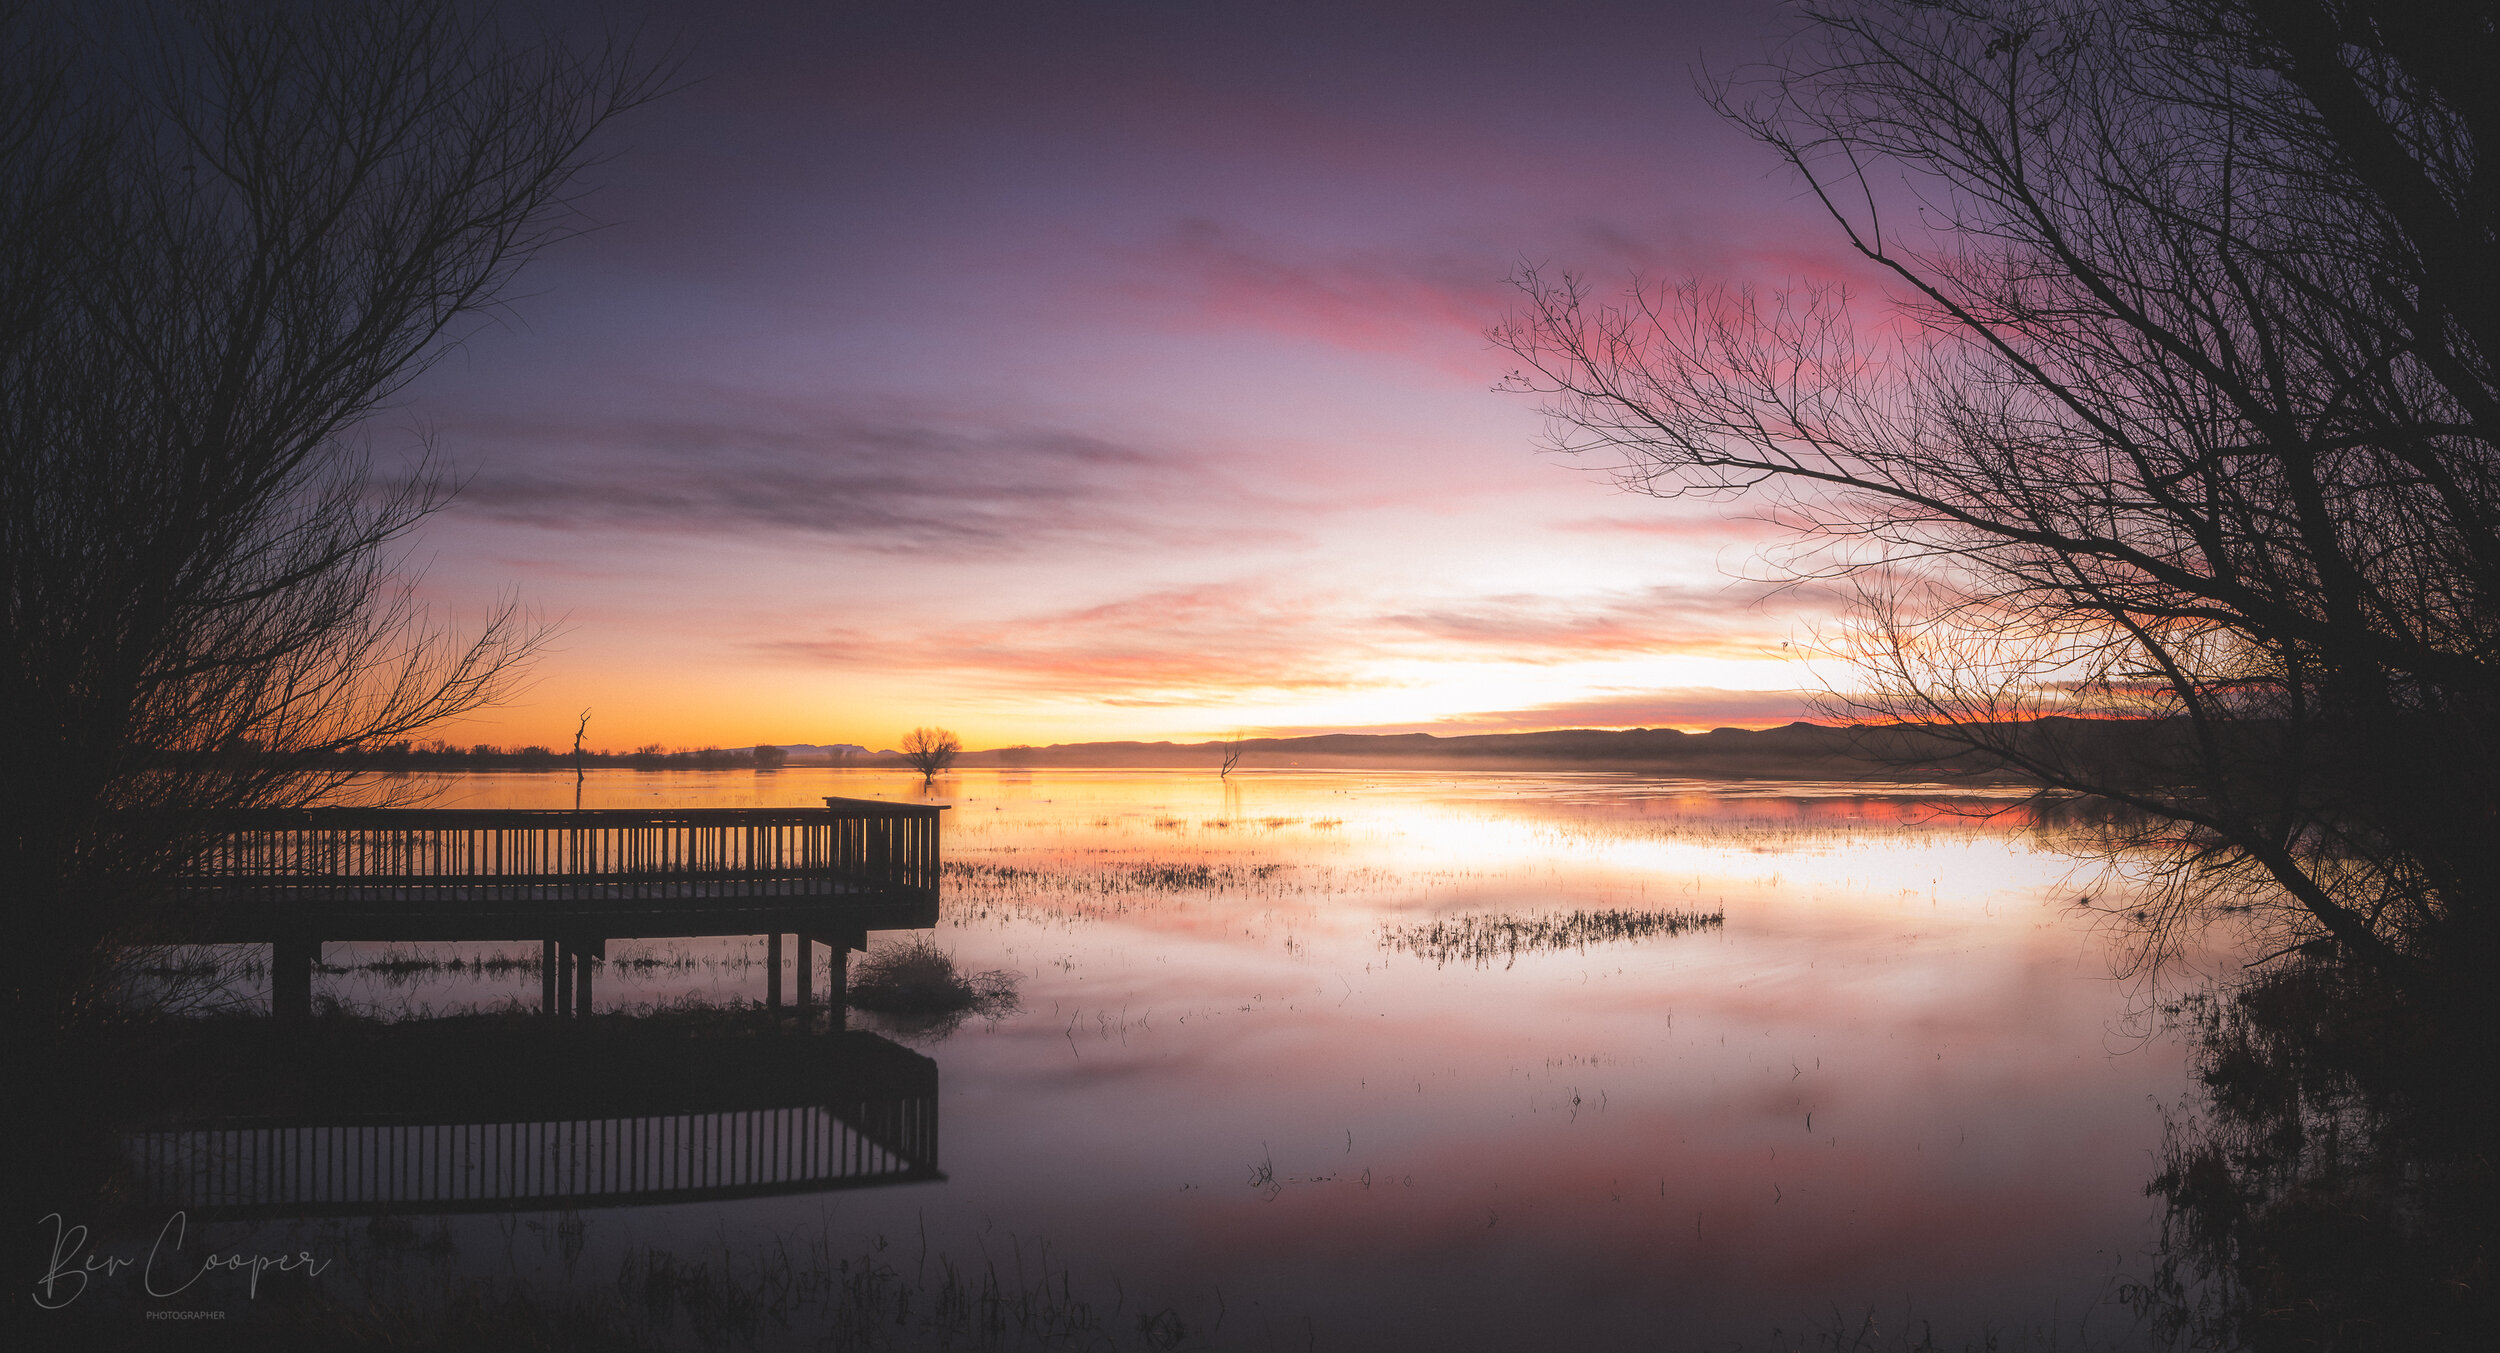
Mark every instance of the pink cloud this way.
pixel 1218 641
pixel 1364 299
pixel 1721 620
pixel 1172 644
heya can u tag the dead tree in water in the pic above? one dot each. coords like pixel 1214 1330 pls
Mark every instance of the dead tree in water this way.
pixel 929 751
pixel 578 730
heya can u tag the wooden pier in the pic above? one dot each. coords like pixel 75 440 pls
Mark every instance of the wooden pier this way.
pixel 572 880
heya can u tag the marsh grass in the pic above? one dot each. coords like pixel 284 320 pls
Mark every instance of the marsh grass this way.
pixel 1079 890
pixel 1479 938
pixel 401 967
pixel 1871 1331
pixel 185 968
pixel 391 1287
pixel 808 1289
pixel 1127 876
pixel 874 1296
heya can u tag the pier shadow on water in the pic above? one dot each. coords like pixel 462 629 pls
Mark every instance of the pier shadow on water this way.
pixel 322 1141
pixel 493 1115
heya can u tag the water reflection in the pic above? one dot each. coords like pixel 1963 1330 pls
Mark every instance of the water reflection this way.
pixel 501 1117
pixel 1740 1058
pixel 2333 1184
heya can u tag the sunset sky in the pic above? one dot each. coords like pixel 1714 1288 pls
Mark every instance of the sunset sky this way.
pixel 1065 371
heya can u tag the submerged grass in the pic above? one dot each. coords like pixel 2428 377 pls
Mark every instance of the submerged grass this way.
pixel 1481 937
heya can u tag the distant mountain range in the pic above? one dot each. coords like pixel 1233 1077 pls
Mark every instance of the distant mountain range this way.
pixel 801 752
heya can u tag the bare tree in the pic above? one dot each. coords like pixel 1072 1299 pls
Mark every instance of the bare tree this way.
pixel 2183 424
pixel 579 728
pixel 1231 748
pixel 231 234
pixel 929 751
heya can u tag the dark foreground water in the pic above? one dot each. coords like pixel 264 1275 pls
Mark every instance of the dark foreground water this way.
pixel 1353 1061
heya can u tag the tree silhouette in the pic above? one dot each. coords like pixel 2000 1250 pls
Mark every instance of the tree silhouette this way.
pixel 229 235
pixel 930 750
pixel 2188 419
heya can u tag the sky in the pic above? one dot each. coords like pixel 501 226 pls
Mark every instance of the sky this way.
pixel 1059 372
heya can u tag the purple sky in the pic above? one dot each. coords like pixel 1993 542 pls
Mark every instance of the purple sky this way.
pixel 1071 371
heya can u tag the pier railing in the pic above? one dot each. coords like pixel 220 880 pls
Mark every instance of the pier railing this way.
pixel 570 879
pixel 605 855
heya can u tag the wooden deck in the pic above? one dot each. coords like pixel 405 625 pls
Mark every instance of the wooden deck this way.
pixel 571 880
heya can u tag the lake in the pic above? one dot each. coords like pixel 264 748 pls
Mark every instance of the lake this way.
pixel 1412 1060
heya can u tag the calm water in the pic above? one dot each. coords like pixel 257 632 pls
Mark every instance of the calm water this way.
pixel 1250 1082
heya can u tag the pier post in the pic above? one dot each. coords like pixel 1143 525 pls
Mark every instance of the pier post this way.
pixel 807 960
pixel 548 966
pixel 837 985
pixel 838 947
pixel 575 960
pixel 290 977
pixel 772 972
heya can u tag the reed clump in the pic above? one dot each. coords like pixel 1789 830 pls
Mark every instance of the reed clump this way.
pixel 919 978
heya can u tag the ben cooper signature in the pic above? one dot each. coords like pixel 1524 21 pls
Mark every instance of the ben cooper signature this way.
pixel 71 1270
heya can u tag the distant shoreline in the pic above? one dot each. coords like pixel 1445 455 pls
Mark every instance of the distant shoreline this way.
pixel 1796 751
